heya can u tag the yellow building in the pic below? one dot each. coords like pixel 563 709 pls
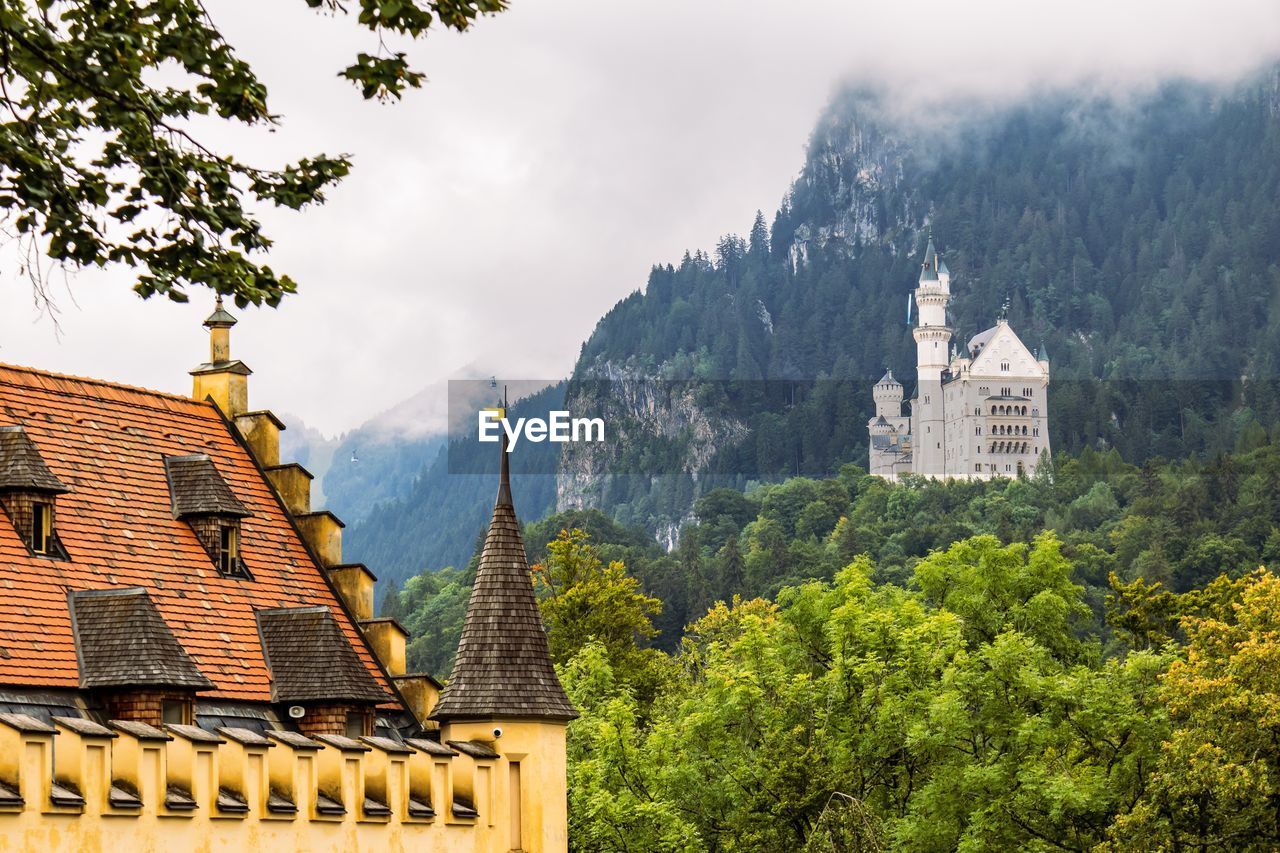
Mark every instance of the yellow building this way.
pixel 187 663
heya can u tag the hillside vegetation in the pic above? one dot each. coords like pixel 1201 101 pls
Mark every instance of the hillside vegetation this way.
pixel 1139 242
pixel 1083 660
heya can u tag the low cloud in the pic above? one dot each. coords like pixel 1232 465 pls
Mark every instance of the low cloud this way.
pixel 557 152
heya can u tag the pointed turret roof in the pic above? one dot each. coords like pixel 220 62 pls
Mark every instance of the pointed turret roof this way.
pixel 929 266
pixel 888 379
pixel 503 668
pixel 1043 353
pixel 942 267
pixel 220 316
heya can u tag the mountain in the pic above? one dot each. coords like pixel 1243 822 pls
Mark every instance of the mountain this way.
pixel 1137 238
pixel 445 507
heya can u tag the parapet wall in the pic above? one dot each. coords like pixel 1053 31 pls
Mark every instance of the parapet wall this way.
pixel 79 786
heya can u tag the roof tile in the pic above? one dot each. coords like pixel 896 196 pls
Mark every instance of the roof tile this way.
pixel 107 443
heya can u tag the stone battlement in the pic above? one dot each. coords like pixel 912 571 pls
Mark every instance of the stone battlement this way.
pixel 76 785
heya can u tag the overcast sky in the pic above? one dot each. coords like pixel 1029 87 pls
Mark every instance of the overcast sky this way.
pixel 557 152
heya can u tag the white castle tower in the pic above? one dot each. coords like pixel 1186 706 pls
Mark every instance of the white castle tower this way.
pixel 933 346
pixel 979 412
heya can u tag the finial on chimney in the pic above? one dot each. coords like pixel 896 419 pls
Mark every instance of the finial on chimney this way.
pixel 221 378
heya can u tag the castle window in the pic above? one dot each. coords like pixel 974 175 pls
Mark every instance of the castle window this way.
pixel 358 724
pixel 977 467
pixel 1004 368
pixel 1035 431
pixel 516 789
pixel 229 549
pixel 993 410
pixel 176 711
pixel 41 528
pixel 977 430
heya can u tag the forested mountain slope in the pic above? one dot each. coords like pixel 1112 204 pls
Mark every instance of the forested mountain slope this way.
pixel 1139 241
pixel 447 506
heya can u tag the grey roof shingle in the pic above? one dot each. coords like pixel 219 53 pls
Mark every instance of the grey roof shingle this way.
pixel 123 641
pixel 311 660
pixel 503 667
pixel 196 488
pixel 21 466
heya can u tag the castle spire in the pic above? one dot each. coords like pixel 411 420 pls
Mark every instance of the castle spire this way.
pixel 504 466
pixel 929 267
pixel 503 669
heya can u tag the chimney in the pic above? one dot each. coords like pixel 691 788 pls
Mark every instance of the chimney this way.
pixel 221 379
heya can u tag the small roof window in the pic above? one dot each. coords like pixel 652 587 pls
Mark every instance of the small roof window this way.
pixel 28 493
pixel 200 497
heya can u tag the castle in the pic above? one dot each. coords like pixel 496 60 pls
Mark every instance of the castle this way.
pixel 978 412
pixel 188 663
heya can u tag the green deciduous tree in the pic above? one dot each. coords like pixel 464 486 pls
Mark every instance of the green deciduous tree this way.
pixel 101 161
pixel 1217 783
pixel 584 599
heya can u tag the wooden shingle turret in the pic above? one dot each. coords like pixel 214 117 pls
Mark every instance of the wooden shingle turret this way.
pixel 503 668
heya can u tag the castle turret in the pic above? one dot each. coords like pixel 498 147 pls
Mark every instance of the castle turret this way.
pixel 503 691
pixel 888 396
pixel 933 340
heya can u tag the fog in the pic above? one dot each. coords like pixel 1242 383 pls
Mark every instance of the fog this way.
pixel 556 153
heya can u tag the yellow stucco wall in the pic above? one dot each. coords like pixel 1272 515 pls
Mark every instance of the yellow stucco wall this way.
pixel 323 533
pixel 355 585
pixel 388 641
pixel 293 482
pixel 539 749
pixel 31 761
pixel 229 390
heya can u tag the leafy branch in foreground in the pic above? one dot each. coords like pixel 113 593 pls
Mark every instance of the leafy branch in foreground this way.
pixel 100 163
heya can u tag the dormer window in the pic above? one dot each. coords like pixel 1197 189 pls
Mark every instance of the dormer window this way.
pixel 41 528
pixel 203 499
pixel 29 492
pixel 229 549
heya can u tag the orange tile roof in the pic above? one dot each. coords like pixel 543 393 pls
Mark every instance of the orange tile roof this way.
pixel 107 443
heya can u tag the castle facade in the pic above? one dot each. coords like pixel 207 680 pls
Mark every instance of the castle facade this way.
pixel 979 411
